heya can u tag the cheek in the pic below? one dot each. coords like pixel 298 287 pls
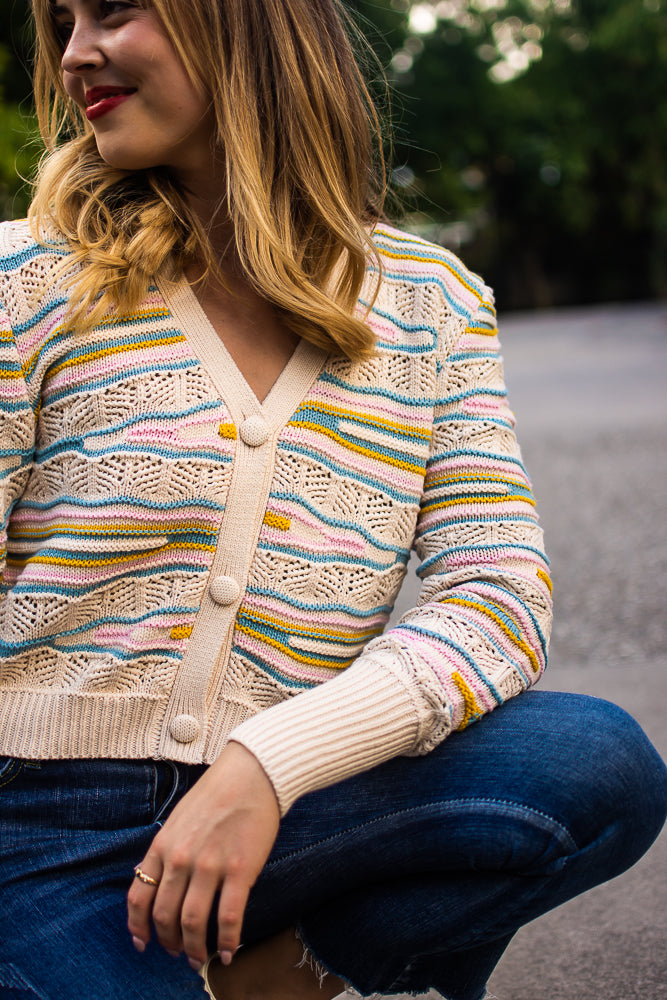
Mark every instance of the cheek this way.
pixel 73 88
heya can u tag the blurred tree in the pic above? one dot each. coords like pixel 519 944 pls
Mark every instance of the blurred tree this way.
pixel 530 135
pixel 19 147
pixel 532 138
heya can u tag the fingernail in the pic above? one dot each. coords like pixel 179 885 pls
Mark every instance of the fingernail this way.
pixel 138 943
pixel 174 954
pixel 194 964
pixel 226 957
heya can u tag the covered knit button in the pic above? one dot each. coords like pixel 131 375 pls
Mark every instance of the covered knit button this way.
pixel 224 590
pixel 184 728
pixel 254 431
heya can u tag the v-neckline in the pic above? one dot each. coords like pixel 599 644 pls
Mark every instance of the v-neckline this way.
pixel 286 393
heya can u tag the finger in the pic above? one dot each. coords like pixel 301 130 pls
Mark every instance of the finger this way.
pixel 233 899
pixel 195 912
pixel 140 898
pixel 167 906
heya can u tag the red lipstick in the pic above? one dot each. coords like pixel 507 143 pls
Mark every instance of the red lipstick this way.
pixel 100 100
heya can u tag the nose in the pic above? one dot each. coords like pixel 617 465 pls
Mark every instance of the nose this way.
pixel 84 48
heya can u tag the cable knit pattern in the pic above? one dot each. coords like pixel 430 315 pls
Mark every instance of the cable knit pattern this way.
pixel 180 559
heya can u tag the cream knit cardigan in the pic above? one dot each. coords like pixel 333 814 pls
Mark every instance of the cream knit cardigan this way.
pixel 183 564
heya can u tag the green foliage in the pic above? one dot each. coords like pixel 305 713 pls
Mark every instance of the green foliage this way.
pixel 535 133
pixel 528 134
pixel 20 146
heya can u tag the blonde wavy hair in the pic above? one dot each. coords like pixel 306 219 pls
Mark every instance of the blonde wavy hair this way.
pixel 301 146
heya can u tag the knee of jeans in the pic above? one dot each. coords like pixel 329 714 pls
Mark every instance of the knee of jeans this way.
pixel 629 778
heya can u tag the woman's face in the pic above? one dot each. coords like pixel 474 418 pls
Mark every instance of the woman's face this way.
pixel 121 69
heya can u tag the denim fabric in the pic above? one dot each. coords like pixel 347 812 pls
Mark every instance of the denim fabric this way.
pixel 410 876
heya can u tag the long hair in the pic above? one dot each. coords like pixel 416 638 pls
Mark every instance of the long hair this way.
pixel 300 145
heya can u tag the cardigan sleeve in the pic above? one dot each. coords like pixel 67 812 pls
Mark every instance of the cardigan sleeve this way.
pixel 17 430
pixel 479 632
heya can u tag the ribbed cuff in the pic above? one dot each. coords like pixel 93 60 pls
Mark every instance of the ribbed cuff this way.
pixel 340 728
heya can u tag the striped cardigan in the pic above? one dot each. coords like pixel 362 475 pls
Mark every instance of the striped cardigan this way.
pixel 183 565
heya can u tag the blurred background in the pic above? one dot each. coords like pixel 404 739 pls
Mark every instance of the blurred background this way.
pixel 530 136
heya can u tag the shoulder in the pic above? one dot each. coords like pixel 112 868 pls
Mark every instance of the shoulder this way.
pixel 28 268
pixel 426 285
pixel 19 245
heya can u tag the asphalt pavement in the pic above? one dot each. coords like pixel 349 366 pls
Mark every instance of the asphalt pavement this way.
pixel 588 387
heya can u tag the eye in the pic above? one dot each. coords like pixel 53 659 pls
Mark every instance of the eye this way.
pixel 110 7
pixel 63 25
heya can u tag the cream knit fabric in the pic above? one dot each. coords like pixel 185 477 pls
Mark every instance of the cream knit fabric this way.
pixel 182 560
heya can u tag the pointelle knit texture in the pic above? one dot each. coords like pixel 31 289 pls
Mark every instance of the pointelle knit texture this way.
pixel 183 564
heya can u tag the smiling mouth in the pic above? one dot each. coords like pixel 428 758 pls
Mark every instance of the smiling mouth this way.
pixel 100 100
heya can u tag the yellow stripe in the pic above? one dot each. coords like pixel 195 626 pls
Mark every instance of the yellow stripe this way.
pixel 473 500
pixel 546 579
pixel 62 561
pixel 433 260
pixel 399 463
pixel 313 661
pixel 523 646
pixel 482 331
pixel 118 349
pixel 307 630
pixel 181 631
pixel 227 431
pixel 366 418
pixel 472 709
pixel 157 312
pixel 60 329
pixel 121 529
pixel 474 477
pixel 277 521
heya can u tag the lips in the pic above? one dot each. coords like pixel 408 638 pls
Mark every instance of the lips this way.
pixel 100 100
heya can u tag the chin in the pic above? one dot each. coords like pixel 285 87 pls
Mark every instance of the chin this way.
pixel 126 159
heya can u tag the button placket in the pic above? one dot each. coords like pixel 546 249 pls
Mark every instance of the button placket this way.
pixel 256 425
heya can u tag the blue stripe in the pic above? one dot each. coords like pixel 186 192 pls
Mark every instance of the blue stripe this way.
pixel 419 630
pixel 37 317
pixel 117 502
pixel 14 406
pixel 302 685
pixel 7 649
pixel 122 375
pixel 473 453
pixel 61 447
pixel 365 422
pixel 19 257
pixel 319 557
pixel 369 446
pixel 336 522
pixel 496 645
pixel 512 546
pixel 129 341
pixel 384 609
pixel 344 472
pixel 35 587
pixel 458 396
pixel 419 402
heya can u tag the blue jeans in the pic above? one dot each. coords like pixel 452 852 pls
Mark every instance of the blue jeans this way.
pixel 410 876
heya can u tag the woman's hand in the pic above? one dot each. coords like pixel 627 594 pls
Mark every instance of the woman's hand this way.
pixel 217 837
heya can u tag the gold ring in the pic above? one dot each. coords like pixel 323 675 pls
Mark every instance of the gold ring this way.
pixel 143 877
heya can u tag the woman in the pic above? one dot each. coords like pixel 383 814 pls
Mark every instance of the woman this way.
pixel 233 400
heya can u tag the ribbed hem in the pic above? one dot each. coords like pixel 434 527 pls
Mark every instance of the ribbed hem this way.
pixel 48 726
pixel 342 727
